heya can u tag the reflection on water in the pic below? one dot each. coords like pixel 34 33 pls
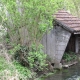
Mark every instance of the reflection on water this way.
pixel 71 73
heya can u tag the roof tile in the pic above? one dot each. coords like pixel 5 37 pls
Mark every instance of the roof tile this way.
pixel 69 20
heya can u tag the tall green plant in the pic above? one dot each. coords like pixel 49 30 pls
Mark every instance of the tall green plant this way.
pixel 34 15
pixel 26 22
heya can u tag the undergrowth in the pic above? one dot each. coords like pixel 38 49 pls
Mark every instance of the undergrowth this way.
pixel 69 56
pixel 15 71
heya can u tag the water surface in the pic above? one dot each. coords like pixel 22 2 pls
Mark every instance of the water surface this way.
pixel 72 73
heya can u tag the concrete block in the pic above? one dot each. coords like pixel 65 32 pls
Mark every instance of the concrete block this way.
pixel 58 65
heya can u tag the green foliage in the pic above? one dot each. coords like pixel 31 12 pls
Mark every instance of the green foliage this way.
pixel 35 15
pixel 3 64
pixel 23 71
pixel 34 58
pixel 69 56
pixel 72 6
pixel 37 60
pixel 15 70
pixel 16 48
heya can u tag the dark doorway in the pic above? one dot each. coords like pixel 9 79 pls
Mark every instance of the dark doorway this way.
pixel 71 44
pixel 78 43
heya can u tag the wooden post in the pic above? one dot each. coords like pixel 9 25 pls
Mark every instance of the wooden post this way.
pixel 76 44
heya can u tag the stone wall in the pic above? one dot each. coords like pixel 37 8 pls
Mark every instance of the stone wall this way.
pixel 55 43
pixel 48 42
pixel 62 38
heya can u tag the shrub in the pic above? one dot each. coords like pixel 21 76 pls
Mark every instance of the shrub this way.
pixel 37 60
pixel 14 71
pixel 32 57
pixel 24 72
pixel 68 56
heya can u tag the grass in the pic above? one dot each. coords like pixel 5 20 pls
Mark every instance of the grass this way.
pixel 18 72
pixel 3 64
pixel 14 70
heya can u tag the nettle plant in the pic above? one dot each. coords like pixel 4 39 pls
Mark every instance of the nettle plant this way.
pixel 26 22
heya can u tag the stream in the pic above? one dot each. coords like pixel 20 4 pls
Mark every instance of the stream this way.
pixel 71 73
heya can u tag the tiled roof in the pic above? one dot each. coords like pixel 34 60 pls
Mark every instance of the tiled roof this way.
pixel 70 21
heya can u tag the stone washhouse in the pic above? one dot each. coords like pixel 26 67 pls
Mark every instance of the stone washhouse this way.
pixel 65 36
